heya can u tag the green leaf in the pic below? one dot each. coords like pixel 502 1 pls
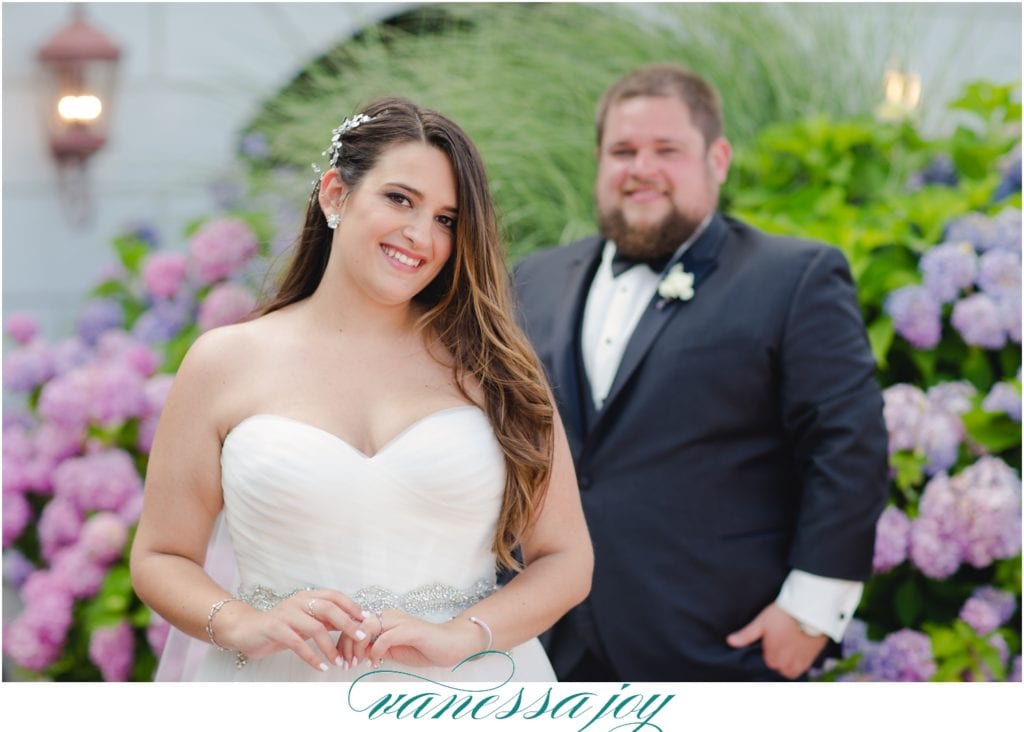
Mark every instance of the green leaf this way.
pixel 909 467
pixel 131 250
pixel 995 431
pixel 908 604
pixel 880 336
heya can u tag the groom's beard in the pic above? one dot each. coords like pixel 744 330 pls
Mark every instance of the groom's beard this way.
pixel 648 244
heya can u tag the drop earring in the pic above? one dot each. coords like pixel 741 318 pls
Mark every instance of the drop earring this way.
pixel 333 220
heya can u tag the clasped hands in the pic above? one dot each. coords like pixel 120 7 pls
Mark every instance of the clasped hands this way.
pixel 366 638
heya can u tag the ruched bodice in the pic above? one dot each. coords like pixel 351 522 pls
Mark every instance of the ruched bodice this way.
pixel 415 520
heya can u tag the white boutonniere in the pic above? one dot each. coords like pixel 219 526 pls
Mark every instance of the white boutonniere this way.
pixel 677 284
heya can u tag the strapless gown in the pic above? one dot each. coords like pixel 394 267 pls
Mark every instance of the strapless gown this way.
pixel 409 527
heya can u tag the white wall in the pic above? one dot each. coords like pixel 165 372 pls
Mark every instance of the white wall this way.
pixel 193 73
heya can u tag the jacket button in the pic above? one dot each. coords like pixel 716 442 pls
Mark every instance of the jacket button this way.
pixel 584 482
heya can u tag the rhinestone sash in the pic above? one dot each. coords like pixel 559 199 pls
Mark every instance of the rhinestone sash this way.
pixel 427 600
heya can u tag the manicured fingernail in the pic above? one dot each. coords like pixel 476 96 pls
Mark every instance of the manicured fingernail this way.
pixel 367 663
pixel 323 666
pixel 339 661
pixel 360 635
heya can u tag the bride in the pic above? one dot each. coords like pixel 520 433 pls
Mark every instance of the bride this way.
pixel 380 440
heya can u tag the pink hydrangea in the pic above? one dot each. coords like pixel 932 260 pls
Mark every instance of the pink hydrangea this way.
pixel 101 481
pixel 156 390
pixel 892 539
pixel 35 639
pixel 221 248
pixel 16 516
pixel 147 433
pixel 103 537
pixel 65 400
pixel 22 327
pixel 56 442
pixel 904 408
pixel 156 634
pixel 226 304
pixel 112 649
pixel 117 394
pixel 28 367
pixel 163 273
pixel 80 573
pixel 59 526
pixel 120 347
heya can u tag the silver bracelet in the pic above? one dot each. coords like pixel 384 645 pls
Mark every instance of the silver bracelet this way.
pixel 240 659
pixel 487 629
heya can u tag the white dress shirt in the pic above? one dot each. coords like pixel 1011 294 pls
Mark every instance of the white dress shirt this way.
pixel 613 309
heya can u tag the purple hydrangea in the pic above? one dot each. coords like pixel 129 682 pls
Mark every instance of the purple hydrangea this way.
pixel 974 517
pixel 103 537
pixel 979 321
pixel 1010 314
pixel 56 442
pixel 69 354
pixel 102 481
pixel 1002 231
pixel 222 247
pixel 954 397
pixel 949 269
pixel 164 320
pixel 916 315
pixel 1003 397
pixel 28 367
pixel 226 304
pixel 79 572
pixel 59 526
pixel 1009 167
pixel 119 346
pixel 17 513
pixel 36 637
pixel 17 568
pixel 113 651
pixel 904 408
pixel 999 272
pixel 933 549
pixel 65 400
pixel 117 394
pixel 905 655
pixel 22 327
pixel 940 171
pixel 987 608
pixel 156 634
pixel 97 317
pixel 892 539
pixel 1014 674
pixel 163 274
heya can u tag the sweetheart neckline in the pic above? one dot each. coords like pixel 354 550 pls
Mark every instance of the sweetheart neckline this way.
pixel 337 438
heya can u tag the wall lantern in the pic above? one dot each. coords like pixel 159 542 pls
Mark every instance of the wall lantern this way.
pixel 80 65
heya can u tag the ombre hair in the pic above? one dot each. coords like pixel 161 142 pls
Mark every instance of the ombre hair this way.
pixel 468 305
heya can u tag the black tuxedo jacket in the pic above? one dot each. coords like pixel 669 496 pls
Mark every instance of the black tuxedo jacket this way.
pixel 742 437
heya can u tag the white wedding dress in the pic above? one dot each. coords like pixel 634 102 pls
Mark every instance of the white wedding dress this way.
pixel 408 527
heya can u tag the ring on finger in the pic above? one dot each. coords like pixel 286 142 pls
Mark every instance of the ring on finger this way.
pixel 381 629
pixel 309 608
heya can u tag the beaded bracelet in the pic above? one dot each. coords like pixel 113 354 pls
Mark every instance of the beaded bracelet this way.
pixel 241 659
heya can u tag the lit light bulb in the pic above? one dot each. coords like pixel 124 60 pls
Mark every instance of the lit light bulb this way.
pixel 84 108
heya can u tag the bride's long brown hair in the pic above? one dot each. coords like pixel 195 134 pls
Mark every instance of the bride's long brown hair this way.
pixel 468 305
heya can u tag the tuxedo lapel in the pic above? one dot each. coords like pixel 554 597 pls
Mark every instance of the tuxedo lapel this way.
pixel 565 334
pixel 699 260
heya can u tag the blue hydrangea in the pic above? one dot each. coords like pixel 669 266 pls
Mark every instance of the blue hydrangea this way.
pixel 949 269
pixel 979 321
pixel 905 655
pixel 1004 397
pixel 916 315
pixel 940 171
pixel 97 317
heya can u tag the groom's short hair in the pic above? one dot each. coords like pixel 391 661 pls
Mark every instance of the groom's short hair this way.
pixel 667 80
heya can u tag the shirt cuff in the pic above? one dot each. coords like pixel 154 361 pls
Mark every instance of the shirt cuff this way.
pixel 824 603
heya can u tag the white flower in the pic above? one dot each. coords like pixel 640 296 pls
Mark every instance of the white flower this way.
pixel 676 285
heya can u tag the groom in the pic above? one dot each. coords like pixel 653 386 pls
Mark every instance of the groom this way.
pixel 725 422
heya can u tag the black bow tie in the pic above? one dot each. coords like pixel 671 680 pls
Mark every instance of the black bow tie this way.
pixel 620 263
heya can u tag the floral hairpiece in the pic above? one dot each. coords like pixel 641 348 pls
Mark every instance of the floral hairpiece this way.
pixel 334 149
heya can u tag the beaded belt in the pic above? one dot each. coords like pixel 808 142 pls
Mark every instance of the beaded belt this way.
pixel 426 600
